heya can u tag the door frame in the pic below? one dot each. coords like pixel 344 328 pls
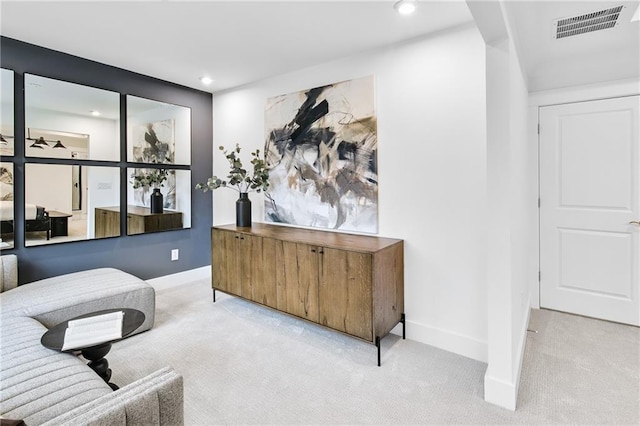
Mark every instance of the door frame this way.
pixel 575 94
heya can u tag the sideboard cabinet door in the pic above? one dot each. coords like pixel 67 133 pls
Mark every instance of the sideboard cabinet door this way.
pixel 345 292
pixel 257 259
pixel 244 265
pixel 225 263
pixel 249 256
pixel 266 293
pixel 297 279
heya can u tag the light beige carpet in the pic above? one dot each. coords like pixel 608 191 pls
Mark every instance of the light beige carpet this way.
pixel 244 364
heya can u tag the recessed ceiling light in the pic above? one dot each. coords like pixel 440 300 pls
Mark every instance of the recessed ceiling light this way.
pixel 95 113
pixel 405 7
pixel 206 80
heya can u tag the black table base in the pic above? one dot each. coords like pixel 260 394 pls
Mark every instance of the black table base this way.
pixel 98 363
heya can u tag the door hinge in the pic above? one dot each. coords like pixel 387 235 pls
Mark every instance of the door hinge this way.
pixel 538 128
pixel 538 202
pixel 539 276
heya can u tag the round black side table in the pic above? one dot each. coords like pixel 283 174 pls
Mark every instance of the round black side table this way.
pixel 54 339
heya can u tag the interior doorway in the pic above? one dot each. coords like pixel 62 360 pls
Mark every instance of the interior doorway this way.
pixel 590 208
pixel 78 184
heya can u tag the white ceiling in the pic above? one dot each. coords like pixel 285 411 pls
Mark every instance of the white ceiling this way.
pixel 238 42
pixel 234 42
pixel 610 54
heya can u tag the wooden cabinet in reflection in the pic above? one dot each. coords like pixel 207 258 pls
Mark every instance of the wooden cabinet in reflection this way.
pixel 107 222
pixel 140 220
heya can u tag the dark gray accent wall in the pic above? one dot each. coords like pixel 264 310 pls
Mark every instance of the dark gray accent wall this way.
pixel 147 256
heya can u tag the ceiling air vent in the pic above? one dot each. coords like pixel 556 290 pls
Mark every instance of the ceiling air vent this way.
pixel 594 21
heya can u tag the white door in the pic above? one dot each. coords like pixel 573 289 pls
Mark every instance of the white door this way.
pixel 589 199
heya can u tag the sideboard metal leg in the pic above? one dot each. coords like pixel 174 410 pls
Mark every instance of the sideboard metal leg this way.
pixel 402 320
pixel 214 295
pixel 378 346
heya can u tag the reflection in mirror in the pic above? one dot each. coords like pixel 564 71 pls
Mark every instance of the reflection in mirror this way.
pixel 6 205
pixel 62 202
pixel 158 132
pixel 175 200
pixel 67 110
pixel 57 144
pixel 6 112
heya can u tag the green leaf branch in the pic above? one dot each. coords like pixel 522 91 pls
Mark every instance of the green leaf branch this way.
pixel 149 178
pixel 239 179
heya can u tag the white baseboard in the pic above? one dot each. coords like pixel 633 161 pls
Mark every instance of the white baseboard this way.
pixel 521 347
pixel 445 339
pixel 500 392
pixel 182 277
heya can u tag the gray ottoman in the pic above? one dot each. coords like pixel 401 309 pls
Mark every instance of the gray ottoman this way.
pixel 57 299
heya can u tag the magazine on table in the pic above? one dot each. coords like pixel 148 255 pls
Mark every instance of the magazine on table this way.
pixel 94 330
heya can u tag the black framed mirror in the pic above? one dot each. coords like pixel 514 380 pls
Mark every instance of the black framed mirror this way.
pixel 158 199
pixel 7 137
pixel 66 110
pixel 7 119
pixel 63 202
pixel 158 132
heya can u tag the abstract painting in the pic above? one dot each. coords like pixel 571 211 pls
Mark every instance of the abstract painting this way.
pixel 321 152
pixel 154 142
pixel 6 182
pixel 6 143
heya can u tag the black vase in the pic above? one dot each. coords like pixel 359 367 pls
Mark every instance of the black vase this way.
pixel 156 201
pixel 243 210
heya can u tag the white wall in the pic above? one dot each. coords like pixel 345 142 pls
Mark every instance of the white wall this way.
pixel 512 206
pixel 430 101
pixel 524 211
pixel 49 186
pixel 104 134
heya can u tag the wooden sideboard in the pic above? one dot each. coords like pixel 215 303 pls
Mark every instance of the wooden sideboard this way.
pixel 350 283
pixel 140 220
